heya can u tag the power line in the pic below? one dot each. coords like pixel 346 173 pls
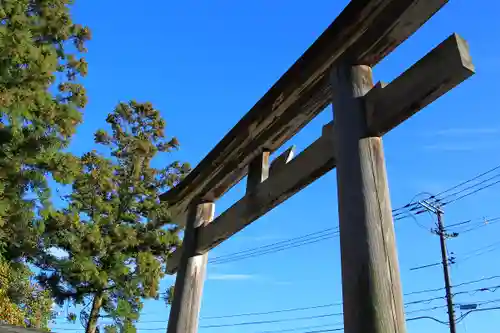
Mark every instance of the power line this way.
pixel 247 323
pixel 421 301
pixel 341 328
pixel 291 243
pixel 436 198
pixel 480 251
pixel 467 256
pixel 428 317
pixel 458 224
pixel 481 303
pixel 469 187
pixel 274 311
pixel 298 238
pixel 317 236
pixel 427 309
pixel 340 303
pixel 425 266
pixel 475 225
pixel 336 314
pixel 328 233
pixel 262 313
pixel 283 245
pixel 408 320
pixel 410 206
pixel 302 328
pixel 461 318
pixel 320 331
pixel 305 308
pixel 456 227
pixel 473 292
pixel 478 226
pixel 476 281
pixel 321 316
pixel 425 301
pixel 424 291
pixel 471 193
pixel 428 300
pixel 469 180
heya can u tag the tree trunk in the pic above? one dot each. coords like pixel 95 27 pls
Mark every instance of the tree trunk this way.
pixel 94 314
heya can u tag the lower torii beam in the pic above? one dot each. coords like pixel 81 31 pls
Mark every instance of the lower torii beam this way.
pixel 371 286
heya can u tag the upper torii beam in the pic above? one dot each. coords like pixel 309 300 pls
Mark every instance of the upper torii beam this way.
pixel 363 33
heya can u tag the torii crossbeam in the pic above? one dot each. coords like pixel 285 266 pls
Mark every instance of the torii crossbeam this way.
pixel 336 69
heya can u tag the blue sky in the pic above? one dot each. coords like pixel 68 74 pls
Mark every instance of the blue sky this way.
pixel 205 63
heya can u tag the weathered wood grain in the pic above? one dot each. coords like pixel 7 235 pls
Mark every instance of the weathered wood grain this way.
pixel 185 309
pixel 371 286
pixel 258 171
pixel 388 105
pixel 364 33
pixel 435 74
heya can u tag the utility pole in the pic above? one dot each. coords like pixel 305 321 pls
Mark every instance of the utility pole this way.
pixel 447 285
pixel 440 231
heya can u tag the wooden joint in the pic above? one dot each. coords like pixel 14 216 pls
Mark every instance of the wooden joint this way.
pixel 204 213
pixel 258 170
pixel 369 107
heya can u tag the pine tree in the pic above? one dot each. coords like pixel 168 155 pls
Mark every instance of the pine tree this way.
pixel 116 252
pixel 22 302
pixel 40 105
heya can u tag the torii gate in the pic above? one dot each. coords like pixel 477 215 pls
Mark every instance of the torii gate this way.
pixel 336 69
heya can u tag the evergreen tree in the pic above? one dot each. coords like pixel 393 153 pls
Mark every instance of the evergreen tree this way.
pixel 22 302
pixel 40 105
pixel 116 252
pixel 169 296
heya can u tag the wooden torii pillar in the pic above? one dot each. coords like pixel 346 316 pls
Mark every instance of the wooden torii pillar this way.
pixel 371 284
pixel 185 309
pixel 184 312
pixel 329 72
